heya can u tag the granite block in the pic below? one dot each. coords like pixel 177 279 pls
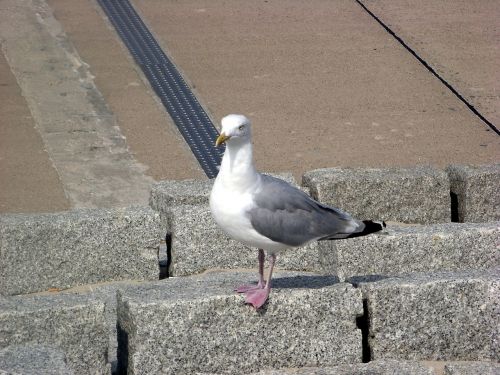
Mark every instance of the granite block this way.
pixel 73 324
pixel 409 195
pixel 199 244
pixel 61 250
pixel 198 324
pixel 472 368
pixel 380 367
pixel 33 360
pixel 476 191
pixel 441 316
pixel 413 249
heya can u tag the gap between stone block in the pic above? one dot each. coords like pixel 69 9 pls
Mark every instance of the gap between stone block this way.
pixel 363 323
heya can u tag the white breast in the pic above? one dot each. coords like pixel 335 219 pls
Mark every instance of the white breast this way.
pixel 229 209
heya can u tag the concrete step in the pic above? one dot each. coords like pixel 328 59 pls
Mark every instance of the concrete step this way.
pixel 199 324
pixel 43 251
pixel 442 316
pixel 72 324
pixel 409 195
pixel 33 359
pixel 413 249
pixel 475 189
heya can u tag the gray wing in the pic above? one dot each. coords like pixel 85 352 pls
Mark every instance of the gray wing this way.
pixel 287 215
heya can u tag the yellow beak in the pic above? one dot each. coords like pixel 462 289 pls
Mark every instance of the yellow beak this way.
pixel 221 139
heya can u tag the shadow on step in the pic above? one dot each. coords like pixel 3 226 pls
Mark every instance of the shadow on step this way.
pixel 304 281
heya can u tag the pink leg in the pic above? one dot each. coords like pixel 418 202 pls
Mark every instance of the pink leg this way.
pixel 258 297
pixel 261 283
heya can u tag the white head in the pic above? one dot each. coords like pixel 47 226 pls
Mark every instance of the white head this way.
pixel 234 128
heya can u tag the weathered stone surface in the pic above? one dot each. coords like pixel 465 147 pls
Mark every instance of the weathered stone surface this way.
pixel 190 324
pixel 199 244
pixel 105 293
pixel 380 367
pixel 476 189
pixel 442 316
pixel 78 247
pixel 72 324
pixel 409 195
pixel 33 360
pixel 165 194
pixel 472 368
pixel 412 249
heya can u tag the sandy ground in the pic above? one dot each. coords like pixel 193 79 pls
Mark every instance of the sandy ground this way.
pixel 460 39
pixel 324 84
pixel 28 181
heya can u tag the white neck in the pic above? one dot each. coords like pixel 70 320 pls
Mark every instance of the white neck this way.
pixel 237 166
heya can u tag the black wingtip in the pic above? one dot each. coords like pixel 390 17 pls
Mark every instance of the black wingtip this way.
pixel 370 227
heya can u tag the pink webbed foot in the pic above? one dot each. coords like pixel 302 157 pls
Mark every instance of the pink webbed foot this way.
pixel 257 297
pixel 247 288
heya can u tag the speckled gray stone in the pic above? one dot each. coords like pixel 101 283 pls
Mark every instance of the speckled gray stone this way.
pixel 477 191
pixel 412 249
pixel 472 368
pixel 42 251
pixel 442 316
pixel 199 244
pixel 409 195
pixel 198 324
pixel 70 323
pixel 33 360
pixel 381 367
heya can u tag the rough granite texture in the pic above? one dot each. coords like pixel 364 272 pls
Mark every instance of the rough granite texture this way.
pixel 73 324
pixel 442 316
pixel 412 249
pixel 477 191
pixel 472 368
pixel 42 251
pixel 33 360
pixel 190 324
pixel 380 367
pixel 198 244
pixel 409 195
pixel 106 293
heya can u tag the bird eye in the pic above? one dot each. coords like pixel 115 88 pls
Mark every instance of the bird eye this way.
pixel 241 127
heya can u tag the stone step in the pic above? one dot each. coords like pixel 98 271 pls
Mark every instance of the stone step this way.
pixel 61 250
pixel 409 195
pixel 33 359
pixel 413 249
pixel 380 367
pixel 476 190
pixel 199 324
pixel 442 316
pixel 72 324
pixel 472 368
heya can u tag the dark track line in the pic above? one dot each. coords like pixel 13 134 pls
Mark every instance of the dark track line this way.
pixel 167 82
pixel 430 69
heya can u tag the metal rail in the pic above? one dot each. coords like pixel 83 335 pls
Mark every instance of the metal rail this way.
pixel 176 96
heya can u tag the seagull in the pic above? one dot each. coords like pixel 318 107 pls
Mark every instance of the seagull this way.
pixel 268 213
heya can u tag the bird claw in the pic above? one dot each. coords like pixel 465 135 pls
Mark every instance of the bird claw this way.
pixel 257 297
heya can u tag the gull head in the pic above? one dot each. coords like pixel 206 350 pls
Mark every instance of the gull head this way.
pixel 235 128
